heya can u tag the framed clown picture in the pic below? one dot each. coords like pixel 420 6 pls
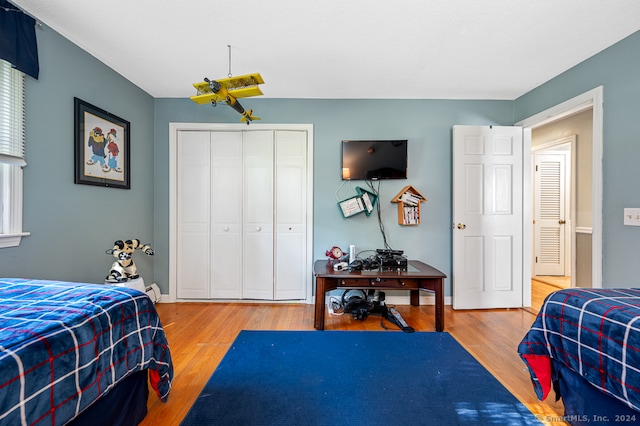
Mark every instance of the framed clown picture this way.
pixel 102 147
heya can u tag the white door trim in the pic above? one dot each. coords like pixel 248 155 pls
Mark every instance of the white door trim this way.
pixel 591 99
pixel 174 128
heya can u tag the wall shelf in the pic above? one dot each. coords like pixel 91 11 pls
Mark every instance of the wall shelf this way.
pixel 365 201
pixel 408 200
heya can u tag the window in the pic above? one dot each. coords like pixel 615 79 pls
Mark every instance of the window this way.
pixel 11 154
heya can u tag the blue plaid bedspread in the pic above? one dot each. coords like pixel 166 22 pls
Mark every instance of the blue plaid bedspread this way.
pixel 62 345
pixel 594 332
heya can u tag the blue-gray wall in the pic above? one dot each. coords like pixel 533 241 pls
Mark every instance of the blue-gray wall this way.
pixel 425 123
pixel 617 69
pixel 72 225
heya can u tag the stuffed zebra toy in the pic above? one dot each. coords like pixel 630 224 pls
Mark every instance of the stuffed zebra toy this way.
pixel 124 268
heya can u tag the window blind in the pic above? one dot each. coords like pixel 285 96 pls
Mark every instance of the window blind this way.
pixel 11 115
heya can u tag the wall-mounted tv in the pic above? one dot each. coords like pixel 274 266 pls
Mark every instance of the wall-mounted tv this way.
pixel 374 159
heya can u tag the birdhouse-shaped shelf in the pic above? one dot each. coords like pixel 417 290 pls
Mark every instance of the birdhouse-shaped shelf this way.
pixel 409 200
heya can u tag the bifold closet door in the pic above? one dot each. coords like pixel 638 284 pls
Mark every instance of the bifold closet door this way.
pixel 227 260
pixel 193 215
pixel 291 214
pixel 241 221
pixel 258 215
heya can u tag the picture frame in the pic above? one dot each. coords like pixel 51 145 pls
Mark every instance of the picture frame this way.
pixel 102 147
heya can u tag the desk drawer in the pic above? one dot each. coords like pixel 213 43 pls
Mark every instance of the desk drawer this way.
pixel 408 283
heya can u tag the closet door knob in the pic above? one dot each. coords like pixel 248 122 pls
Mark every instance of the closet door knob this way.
pixel 225 229
pixel 258 228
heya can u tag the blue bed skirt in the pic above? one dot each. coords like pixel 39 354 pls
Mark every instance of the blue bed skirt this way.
pixel 586 405
pixel 124 405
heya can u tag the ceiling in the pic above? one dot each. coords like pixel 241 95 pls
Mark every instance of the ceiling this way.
pixel 381 49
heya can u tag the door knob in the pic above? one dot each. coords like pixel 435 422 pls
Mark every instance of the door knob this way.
pixel 461 226
pixel 258 228
pixel 561 222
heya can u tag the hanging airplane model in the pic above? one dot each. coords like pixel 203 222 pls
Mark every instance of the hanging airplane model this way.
pixel 228 90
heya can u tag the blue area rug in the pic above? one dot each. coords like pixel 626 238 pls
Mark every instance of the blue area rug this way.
pixel 353 378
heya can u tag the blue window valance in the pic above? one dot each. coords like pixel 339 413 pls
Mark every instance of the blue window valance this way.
pixel 18 44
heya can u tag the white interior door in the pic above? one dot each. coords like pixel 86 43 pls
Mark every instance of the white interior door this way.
pixel 550 213
pixel 487 217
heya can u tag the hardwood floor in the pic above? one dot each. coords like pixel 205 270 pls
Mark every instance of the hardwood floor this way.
pixel 540 290
pixel 199 335
pixel 560 281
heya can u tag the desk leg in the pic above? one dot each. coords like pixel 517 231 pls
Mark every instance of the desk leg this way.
pixel 320 305
pixel 440 305
pixel 414 297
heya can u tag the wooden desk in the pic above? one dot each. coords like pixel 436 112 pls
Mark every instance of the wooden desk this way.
pixel 419 276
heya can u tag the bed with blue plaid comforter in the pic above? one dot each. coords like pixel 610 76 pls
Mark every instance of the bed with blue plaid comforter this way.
pixel 63 345
pixel 595 333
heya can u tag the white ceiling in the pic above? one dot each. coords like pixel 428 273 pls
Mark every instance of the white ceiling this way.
pixel 420 49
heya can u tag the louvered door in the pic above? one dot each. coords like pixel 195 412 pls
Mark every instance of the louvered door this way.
pixel 550 215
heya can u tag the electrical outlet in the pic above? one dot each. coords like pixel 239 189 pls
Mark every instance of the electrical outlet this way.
pixel 631 216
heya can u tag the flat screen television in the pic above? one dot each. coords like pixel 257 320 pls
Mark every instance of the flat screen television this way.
pixel 374 159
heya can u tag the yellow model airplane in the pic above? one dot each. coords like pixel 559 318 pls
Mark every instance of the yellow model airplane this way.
pixel 229 90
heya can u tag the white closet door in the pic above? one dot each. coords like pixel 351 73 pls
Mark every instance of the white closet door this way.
pixel 258 215
pixel 290 220
pixel 193 215
pixel 226 221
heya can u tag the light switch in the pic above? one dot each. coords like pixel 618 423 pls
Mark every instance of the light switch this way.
pixel 632 216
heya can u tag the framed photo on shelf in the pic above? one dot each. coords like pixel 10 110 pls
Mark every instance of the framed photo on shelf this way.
pixel 102 147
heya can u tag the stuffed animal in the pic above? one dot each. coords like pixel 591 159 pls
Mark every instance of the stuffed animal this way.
pixel 124 269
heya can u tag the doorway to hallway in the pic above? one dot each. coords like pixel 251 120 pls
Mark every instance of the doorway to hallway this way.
pixel 563 197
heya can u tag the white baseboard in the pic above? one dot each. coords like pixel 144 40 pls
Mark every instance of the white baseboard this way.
pixel 425 299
